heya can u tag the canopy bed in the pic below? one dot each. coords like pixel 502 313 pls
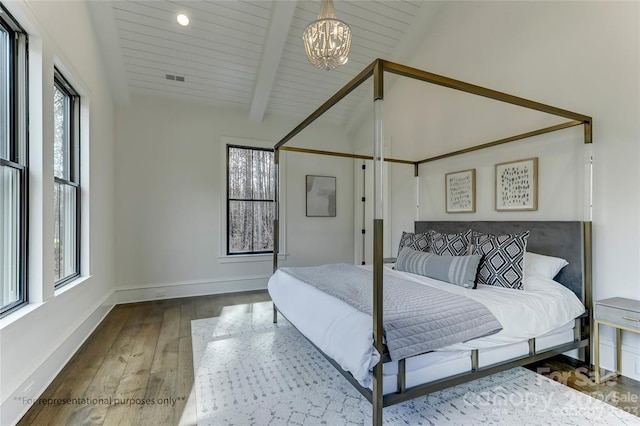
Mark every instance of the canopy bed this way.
pixel 389 370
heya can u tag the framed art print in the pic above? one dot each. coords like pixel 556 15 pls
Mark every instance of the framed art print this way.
pixel 516 185
pixel 460 191
pixel 321 196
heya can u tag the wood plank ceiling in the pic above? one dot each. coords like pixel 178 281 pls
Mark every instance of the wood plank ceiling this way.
pixel 249 54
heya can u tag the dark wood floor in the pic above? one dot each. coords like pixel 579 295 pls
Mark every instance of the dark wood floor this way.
pixel 141 353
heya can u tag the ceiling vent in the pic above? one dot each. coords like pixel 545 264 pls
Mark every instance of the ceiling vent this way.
pixel 173 77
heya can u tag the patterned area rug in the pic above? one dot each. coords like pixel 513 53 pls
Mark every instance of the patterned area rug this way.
pixel 249 371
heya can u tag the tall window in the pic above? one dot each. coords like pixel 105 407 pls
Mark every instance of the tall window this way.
pixel 250 200
pixel 66 110
pixel 13 164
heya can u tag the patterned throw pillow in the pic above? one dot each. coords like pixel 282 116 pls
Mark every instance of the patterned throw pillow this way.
pixel 450 244
pixel 418 242
pixel 502 260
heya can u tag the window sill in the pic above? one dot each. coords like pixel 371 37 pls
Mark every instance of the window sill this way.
pixel 18 314
pixel 71 284
pixel 30 307
pixel 242 258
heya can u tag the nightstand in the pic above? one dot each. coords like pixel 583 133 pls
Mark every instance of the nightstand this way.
pixel 622 314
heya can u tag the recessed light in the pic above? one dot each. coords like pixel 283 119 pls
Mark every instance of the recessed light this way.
pixel 182 19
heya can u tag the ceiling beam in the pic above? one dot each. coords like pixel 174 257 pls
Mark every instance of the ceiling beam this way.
pixel 271 54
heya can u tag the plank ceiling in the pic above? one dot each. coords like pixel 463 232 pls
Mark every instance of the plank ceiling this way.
pixel 249 54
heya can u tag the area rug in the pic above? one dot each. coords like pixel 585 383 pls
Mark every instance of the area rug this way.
pixel 249 371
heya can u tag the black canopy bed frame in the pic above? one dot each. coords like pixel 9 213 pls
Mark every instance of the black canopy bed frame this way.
pixel 569 239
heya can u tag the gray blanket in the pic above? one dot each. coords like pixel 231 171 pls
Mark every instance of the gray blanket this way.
pixel 417 318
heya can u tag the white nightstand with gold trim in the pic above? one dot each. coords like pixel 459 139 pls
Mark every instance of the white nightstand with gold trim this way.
pixel 622 314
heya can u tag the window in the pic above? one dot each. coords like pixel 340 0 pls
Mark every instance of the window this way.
pixel 66 112
pixel 13 164
pixel 250 200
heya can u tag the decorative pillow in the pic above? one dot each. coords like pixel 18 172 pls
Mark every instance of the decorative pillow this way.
pixel 450 244
pixel 502 258
pixel 458 270
pixel 546 266
pixel 419 242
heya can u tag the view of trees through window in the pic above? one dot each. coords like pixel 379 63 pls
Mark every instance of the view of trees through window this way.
pixel 13 164
pixel 9 191
pixel 60 137
pixel 66 189
pixel 9 235
pixel 4 93
pixel 250 200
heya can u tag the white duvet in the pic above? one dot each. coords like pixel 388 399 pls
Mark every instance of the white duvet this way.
pixel 346 334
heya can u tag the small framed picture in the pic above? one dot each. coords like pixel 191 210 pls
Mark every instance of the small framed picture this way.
pixel 516 185
pixel 460 191
pixel 321 196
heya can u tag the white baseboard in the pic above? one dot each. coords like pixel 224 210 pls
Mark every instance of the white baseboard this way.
pixel 16 405
pixel 189 289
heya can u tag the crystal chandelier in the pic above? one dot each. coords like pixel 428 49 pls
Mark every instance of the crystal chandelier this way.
pixel 327 40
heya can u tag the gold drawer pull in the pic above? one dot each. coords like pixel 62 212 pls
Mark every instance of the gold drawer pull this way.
pixel 632 319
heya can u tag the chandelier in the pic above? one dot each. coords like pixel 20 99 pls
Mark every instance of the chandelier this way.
pixel 327 39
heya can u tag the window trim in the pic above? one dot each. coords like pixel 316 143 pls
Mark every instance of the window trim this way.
pixel 73 176
pixel 18 149
pixel 228 146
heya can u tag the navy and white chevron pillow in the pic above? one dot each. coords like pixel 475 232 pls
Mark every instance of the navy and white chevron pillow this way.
pixel 502 259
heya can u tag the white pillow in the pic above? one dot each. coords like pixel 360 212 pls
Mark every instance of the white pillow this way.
pixel 546 266
pixel 566 303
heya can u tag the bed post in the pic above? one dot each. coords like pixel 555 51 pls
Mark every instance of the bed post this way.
pixel 378 236
pixel 587 233
pixel 588 291
pixel 276 217
pixel 416 175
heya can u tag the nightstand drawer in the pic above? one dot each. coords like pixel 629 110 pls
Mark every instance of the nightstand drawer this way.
pixel 618 316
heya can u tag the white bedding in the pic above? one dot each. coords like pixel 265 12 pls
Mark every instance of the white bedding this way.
pixel 346 334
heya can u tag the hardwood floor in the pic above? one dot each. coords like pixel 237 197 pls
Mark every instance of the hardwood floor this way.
pixel 621 392
pixel 137 369
pixel 141 353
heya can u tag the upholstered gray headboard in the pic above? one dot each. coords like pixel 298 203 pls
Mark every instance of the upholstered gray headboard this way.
pixel 552 238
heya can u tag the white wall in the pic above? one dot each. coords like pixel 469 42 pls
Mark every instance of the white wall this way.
pixel 38 340
pixel 170 199
pixel 581 56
